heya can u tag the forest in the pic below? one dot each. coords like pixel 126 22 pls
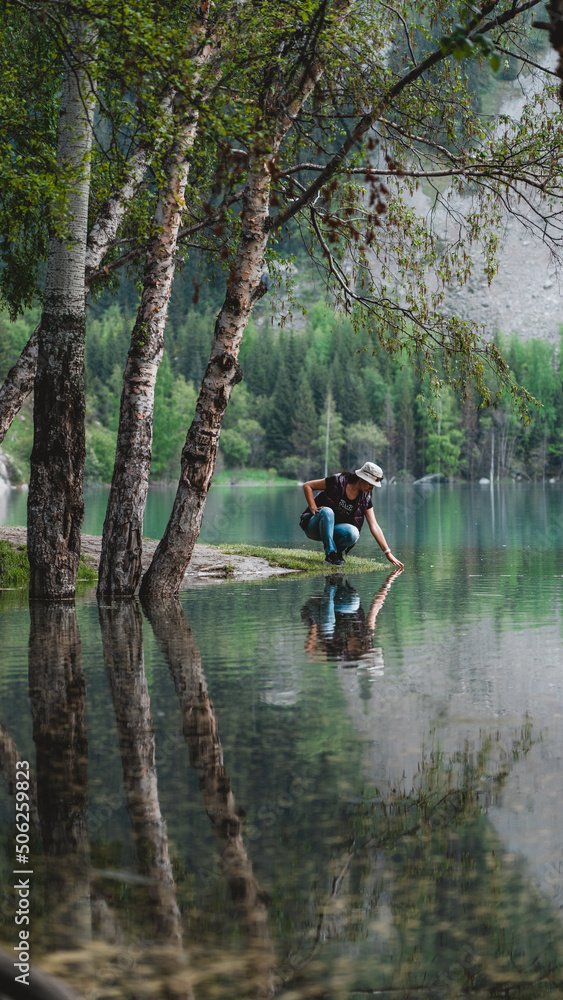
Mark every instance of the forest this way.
pixel 276 423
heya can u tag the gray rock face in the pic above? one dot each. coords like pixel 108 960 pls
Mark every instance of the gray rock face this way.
pixel 524 297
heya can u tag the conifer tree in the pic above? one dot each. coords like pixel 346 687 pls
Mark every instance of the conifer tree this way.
pixel 330 438
pixel 279 425
pixel 305 422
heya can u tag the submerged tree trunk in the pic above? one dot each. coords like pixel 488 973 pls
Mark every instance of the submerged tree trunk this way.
pixel 55 502
pixel 120 562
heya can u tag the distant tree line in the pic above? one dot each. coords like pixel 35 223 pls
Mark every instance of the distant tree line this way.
pixel 295 383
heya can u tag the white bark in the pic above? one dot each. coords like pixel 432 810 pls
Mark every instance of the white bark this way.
pixel 18 384
pixel 173 554
pixel 120 562
pixel 110 217
pixel 55 502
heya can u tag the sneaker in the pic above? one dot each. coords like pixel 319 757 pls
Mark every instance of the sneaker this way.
pixel 334 559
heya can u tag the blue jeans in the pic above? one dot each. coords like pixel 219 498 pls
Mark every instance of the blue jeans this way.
pixel 335 537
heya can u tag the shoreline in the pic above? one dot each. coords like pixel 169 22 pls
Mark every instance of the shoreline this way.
pixel 208 563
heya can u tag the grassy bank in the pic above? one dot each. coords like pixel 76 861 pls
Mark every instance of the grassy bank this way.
pixel 251 477
pixel 14 564
pixel 14 567
pixel 302 560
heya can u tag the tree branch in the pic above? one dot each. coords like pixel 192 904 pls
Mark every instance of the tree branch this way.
pixel 369 119
pixel 524 59
pixel 404 23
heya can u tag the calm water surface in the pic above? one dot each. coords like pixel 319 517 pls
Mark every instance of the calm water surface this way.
pixel 331 787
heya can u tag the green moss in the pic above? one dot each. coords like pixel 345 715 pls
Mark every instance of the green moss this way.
pixel 302 560
pixel 14 566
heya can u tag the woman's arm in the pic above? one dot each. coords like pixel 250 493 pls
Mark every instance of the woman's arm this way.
pixel 380 538
pixel 380 597
pixel 308 488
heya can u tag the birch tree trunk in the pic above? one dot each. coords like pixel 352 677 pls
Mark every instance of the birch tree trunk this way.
pixel 18 384
pixel 170 561
pixel 122 541
pixel 55 503
pixel 104 230
pixel 199 454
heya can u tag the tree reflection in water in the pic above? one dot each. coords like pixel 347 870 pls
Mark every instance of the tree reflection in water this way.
pixel 9 756
pixel 206 757
pixel 57 692
pixel 122 637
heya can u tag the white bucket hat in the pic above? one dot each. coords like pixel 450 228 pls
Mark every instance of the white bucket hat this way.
pixel 371 473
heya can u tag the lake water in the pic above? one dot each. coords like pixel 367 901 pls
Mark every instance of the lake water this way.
pixel 301 788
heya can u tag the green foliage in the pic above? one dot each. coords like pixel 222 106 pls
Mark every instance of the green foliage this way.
pixel 100 453
pixel 444 436
pixel 18 443
pixel 395 426
pixel 32 193
pixel 235 448
pixel 330 437
pixel 86 571
pixel 461 45
pixel 365 442
pixel 369 57
pixel 250 477
pixel 14 565
pixel 13 338
pixel 174 407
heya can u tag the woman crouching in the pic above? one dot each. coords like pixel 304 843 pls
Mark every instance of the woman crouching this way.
pixel 335 515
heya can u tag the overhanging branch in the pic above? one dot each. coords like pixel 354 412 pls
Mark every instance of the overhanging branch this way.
pixel 368 120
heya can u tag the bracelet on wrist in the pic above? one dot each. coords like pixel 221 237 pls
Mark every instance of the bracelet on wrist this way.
pixel 386 551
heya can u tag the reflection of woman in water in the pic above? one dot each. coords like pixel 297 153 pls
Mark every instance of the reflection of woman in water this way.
pixel 339 629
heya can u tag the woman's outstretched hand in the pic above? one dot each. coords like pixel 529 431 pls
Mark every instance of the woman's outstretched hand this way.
pixel 395 562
